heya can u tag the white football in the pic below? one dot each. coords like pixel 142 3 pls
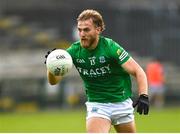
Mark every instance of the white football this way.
pixel 59 62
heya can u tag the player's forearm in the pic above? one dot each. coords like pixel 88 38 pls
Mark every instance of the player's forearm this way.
pixel 141 81
pixel 53 79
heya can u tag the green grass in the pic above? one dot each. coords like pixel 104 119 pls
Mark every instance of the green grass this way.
pixel 61 121
pixel 164 120
pixel 160 121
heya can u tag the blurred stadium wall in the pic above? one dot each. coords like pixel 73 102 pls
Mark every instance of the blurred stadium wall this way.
pixel 146 28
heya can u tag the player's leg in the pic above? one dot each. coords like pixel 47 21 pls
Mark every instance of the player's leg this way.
pixel 123 116
pixel 129 127
pixel 98 125
pixel 98 117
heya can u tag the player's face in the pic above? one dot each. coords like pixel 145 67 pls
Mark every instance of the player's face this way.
pixel 88 34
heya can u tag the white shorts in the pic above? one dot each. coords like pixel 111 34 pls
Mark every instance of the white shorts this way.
pixel 117 113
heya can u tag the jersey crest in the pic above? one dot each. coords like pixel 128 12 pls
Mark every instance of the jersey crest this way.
pixel 102 59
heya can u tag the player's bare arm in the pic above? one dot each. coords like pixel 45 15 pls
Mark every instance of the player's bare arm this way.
pixel 133 68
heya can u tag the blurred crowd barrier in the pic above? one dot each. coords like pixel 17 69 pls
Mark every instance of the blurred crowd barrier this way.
pixel 146 29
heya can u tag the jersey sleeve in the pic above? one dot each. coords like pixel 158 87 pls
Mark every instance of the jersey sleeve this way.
pixel 118 53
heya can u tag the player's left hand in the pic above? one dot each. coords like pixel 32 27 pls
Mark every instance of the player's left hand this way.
pixel 142 104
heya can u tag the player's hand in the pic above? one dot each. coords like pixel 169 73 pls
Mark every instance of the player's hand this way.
pixel 142 104
pixel 48 52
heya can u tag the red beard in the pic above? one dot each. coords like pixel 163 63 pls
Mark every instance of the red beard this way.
pixel 87 43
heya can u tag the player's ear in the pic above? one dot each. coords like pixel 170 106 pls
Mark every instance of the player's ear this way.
pixel 98 30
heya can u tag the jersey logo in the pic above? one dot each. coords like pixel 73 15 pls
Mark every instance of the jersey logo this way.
pixel 92 60
pixel 94 109
pixel 80 60
pixel 102 59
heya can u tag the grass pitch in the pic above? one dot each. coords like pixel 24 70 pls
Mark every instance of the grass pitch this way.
pixel 73 121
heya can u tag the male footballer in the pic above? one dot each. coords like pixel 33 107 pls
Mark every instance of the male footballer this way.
pixel 105 68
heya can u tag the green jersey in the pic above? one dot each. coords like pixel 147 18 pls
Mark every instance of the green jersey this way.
pixel 100 69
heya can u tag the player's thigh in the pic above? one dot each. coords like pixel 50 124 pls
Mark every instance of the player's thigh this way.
pixel 98 124
pixel 129 127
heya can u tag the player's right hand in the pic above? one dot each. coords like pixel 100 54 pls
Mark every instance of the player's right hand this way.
pixel 142 104
pixel 48 52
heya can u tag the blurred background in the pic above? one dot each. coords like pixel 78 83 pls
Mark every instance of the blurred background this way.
pixel 147 29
